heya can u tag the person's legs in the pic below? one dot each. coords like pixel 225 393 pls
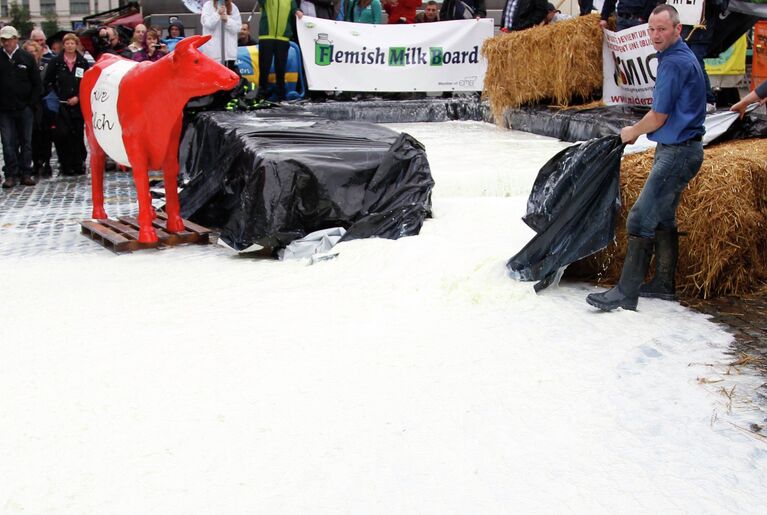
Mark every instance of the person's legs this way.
pixel 78 146
pixel 673 168
pixel 280 63
pixel 699 42
pixel 10 141
pixel 25 124
pixel 265 58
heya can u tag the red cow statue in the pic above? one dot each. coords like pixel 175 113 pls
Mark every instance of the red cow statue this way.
pixel 133 113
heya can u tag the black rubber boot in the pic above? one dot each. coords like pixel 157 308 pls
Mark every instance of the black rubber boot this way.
pixel 626 293
pixel 663 285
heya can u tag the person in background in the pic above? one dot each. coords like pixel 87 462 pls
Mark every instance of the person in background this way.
pixel 116 44
pixel 523 14
pixel 41 129
pixel 675 123
pixel 456 10
pixel 430 13
pixel 63 76
pixel 20 87
pixel 274 33
pixel 630 13
pixel 38 36
pixel 325 9
pixel 554 15
pixel 153 48
pixel 401 11
pixel 759 94
pixel 175 34
pixel 699 39
pixel 364 11
pixel 243 37
pixel 585 6
pixel 221 19
pixel 81 48
pixel 137 41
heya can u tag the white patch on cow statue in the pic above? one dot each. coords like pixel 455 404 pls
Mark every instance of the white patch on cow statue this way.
pixel 133 113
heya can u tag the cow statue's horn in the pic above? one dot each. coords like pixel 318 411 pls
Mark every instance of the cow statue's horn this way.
pixel 191 42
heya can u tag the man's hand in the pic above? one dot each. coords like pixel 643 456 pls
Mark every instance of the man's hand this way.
pixel 740 108
pixel 73 101
pixel 628 135
pixel 603 24
pixel 299 14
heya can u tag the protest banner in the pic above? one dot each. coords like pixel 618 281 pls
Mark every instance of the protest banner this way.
pixel 441 56
pixel 629 67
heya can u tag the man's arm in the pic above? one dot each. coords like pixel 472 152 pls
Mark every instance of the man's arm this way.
pixel 651 122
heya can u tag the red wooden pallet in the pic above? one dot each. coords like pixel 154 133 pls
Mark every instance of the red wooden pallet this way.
pixel 121 235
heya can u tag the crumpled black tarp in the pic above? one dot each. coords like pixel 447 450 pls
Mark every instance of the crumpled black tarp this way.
pixel 270 177
pixel 572 207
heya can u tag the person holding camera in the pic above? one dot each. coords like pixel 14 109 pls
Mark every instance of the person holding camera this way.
pixel 153 48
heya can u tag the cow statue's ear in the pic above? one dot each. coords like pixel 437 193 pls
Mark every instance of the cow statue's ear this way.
pixel 191 42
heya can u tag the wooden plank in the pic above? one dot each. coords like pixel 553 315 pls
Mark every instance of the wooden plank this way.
pixel 190 226
pixel 129 220
pixel 131 233
pixel 105 236
pixel 121 235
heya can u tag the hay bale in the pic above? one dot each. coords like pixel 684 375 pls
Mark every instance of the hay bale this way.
pixel 724 213
pixel 558 63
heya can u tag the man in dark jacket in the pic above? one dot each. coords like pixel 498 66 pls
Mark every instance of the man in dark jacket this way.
pixel 630 12
pixel 20 88
pixel 523 14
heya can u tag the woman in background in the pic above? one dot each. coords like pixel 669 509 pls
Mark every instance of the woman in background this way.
pixel 221 20
pixel 153 49
pixel 364 11
pixel 63 75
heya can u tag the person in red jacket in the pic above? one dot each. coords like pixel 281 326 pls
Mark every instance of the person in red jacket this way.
pixel 401 11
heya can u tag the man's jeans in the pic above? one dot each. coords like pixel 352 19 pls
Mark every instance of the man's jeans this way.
pixel 16 135
pixel 673 168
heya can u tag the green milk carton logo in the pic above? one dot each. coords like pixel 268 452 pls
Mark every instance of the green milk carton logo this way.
pixel 323 50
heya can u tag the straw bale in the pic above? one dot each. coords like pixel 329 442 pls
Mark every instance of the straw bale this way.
pixel 558 63
pixel 724 213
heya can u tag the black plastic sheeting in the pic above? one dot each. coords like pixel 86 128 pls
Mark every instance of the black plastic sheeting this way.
pixel 572 207
pixel 405 111
pixel 572 124
pixel 270 177
pixel 585 124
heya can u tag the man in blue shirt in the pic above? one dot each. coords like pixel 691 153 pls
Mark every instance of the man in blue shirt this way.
pixel 675 122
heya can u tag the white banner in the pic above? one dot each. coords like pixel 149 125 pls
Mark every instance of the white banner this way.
pixel 629 67
pixel 690 11
pixel 442 56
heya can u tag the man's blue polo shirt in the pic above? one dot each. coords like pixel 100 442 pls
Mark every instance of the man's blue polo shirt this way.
pixel 680 92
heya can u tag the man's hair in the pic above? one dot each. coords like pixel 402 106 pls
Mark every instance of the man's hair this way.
pixel 672 13
pixel 431 2
pixel 37 32
pixel 32 43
